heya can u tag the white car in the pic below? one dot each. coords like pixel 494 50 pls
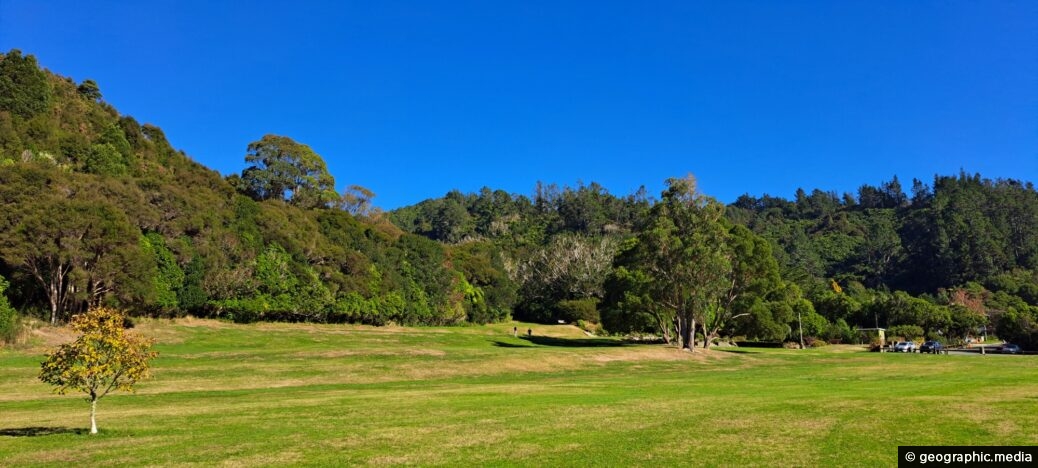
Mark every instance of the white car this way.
pixel 905 347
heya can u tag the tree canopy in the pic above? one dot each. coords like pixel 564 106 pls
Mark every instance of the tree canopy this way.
pixel 282 169
pixel 677 264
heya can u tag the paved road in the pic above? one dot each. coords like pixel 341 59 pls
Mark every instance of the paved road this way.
pixel 971 352
pixel 993 351
pixel 976 352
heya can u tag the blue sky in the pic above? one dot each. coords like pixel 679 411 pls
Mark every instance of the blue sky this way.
pixel 412 99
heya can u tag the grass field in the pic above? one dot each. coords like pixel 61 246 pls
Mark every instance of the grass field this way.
pixel 284 394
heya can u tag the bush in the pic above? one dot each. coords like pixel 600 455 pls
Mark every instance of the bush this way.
pixel 10 322
pixel 905 332
pixel 590 327
pixel 934 335
pixel 813 342
pixel 1020 327
pixel 242 310
pixel 840 332
pixel 580 309
pixel 379 310
pixel 10 325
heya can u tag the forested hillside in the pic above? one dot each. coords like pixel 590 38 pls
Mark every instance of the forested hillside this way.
pixel 952 258
pixel 100 209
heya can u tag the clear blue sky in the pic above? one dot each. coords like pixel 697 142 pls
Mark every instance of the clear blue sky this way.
pixel 412 99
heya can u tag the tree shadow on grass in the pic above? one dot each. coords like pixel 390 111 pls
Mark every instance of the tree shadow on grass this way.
pixel 40 431
pixel 536 341
pixel 505 344
pixel 737 350
pixel 573 342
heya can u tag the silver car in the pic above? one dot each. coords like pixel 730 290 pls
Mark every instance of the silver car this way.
pixel 905 347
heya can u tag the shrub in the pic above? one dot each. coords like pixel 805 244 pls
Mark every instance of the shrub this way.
pixel 813 342
pixel 579 309
pixel 1020 327
pixel 905 332
pixel 242 310
pixel 10 323
pixel 840 332
pixel 591 327
pixel 934 335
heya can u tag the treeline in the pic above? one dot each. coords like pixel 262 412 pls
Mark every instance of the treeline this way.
pixel 963 245
pixel 953 259
pixel 100 209
pixel 556 246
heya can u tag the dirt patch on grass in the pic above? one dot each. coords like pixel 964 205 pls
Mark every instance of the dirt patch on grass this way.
pixel 54 457
pixel 410 459
pixel 1008 393
pixel 158 330
pixel 341 353
pixel 325 328
pixel 231 356
pixel 194 322
pixel 660 353
pixel 285 458
pixel 522 363
pixel 48 337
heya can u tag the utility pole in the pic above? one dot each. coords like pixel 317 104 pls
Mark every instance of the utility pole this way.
pixel 800 325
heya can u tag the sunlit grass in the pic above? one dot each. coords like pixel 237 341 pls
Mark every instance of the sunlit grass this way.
pixel 284 394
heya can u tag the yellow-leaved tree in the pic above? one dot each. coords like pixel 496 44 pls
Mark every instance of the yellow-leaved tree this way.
pixel 104 357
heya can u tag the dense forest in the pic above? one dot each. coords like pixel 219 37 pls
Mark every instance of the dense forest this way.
pixel 100 209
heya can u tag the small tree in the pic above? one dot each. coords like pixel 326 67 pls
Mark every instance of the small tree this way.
pixel 89 90
pixel 103 358
pixel 356 200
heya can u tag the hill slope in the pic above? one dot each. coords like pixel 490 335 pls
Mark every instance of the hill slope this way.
pixel 100 208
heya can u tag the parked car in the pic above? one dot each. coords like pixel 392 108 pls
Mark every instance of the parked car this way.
pixel 905 347
pixel 1010 349
pixel 933 347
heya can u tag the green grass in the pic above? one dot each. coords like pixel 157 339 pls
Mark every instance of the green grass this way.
pixel 281 394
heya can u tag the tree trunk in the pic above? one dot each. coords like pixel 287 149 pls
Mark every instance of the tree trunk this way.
pixel 53 308
pixel 93 413
pixel 687 327
pixel 679 327
pixel 664 329
pixel 692 334
pixel 800 326
pixel 56 290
